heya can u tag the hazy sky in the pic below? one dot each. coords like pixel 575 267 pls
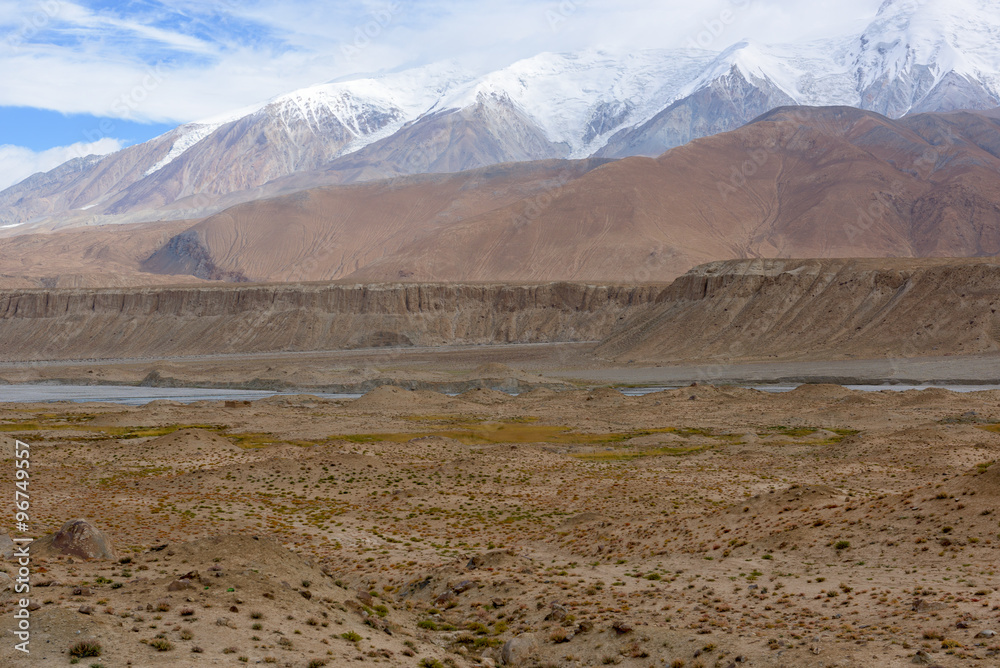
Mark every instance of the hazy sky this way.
pixel 106 74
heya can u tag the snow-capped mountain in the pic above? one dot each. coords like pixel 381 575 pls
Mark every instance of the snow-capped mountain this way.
pixel 916 55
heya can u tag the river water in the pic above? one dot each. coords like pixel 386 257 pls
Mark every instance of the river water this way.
pixel 137 396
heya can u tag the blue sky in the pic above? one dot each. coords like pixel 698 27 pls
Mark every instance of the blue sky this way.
pixel 93 76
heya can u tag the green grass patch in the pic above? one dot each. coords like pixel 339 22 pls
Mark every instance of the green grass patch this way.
pixel 627 454
pixel 53 423
pixel 525 431
pixel 257 440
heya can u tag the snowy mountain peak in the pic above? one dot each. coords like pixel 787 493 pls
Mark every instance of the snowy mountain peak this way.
pixel 950 34
pixel 915 46
pixel 754 63
pixel 915 55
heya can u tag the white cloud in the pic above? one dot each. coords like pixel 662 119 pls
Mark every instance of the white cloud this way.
pixel 18 163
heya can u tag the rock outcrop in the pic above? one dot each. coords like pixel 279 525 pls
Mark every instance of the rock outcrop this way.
pixel 129 323
pixel 77 538
pixel 786 309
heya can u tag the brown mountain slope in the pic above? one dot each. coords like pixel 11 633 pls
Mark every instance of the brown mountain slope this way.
pixel 106 256
pixel 796 183
pixel 328 233
pixel 767 309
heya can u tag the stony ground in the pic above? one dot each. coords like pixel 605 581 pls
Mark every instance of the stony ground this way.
pixel 697 527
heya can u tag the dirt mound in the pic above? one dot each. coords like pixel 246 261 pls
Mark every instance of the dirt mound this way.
pixel 606 396
pixel 819 391
pixel 583 518
pixel 498 559
pixel 538 395
pixel 932 396
pixel 392 398
pixel 796 496
pixel 983 480
pixel 485 397
pixel 189 442
pixel 242 552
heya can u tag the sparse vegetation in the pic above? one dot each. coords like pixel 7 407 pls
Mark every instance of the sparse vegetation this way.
pixel 85 648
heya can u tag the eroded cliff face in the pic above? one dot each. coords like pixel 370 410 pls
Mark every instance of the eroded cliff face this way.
pixel 167 322
pixel 787 309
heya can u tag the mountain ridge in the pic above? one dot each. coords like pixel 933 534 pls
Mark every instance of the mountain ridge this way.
pixel 797 182
pixel 915 56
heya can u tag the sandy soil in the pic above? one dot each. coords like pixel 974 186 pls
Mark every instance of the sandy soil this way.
pixel 695 527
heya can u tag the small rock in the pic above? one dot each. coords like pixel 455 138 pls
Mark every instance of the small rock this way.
pixel 923 605
pixel 621 627
pixel 464 586
pixel 306 594
pixel 488 662
pixel 986 634
pixel 6 547
pixel 86 610
pixel 922 658
pixel 6 582
pixel 179 585
pixel 518 651
pixel 34 606
pixel 81 591
pixel 366 598
pixel 493 654
pixel 558 612
pixel 585 626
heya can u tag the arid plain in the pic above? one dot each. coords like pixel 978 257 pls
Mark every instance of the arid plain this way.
pixel 437 521
pixel 704 526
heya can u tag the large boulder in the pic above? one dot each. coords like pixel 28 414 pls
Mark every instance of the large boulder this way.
pixel 518 651
pixel 76 538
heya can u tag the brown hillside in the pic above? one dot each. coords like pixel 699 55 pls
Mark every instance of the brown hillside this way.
pixel 797 183
pixel 329 233
pixel 769 309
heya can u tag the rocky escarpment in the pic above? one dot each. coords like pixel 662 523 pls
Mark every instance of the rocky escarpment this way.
pixel 156 322
pixel 787 309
